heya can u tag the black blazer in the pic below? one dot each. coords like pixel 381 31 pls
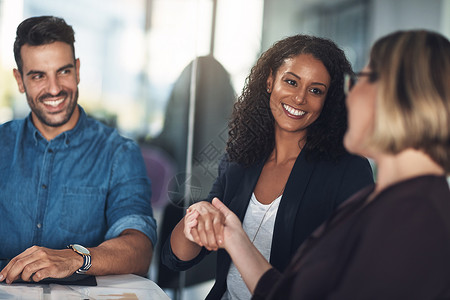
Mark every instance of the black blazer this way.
pixel 313 190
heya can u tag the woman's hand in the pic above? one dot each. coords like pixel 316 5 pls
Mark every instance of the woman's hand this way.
pixel 232 230
pixel 214 227
pixel 225 231
pixel 204 225
pixel 247 259
pixel 190 222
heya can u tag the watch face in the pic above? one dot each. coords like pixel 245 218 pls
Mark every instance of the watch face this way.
pixel 80 249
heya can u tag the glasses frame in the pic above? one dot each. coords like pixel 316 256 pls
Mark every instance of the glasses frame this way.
pixel 351 79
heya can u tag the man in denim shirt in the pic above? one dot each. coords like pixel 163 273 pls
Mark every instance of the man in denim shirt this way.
pixel 74 194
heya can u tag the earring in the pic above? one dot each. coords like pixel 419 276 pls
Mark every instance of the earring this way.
pixel 268 90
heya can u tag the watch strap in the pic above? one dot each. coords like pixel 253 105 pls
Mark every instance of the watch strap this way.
pixel 86 265
pixel 86 260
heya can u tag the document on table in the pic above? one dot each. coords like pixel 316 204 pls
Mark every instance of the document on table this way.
pixel 21 292
pixel 124 287
pixel 100 293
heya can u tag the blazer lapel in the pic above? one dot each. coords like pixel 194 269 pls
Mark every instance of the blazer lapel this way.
pixel 241 199
pixel 287 212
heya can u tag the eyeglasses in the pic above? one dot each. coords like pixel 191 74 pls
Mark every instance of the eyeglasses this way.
pixel 351 79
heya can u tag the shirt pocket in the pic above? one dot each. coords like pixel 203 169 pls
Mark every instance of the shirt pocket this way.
pixel 83 210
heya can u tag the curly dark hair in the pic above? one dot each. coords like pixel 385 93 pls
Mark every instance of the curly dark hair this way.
pixel 251 128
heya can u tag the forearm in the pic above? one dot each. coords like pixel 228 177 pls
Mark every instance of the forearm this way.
pixel 183 248
pixel 250 263
pixel 131 252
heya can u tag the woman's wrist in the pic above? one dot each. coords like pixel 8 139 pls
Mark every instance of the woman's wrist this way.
pixel 182 247
pixel 237 241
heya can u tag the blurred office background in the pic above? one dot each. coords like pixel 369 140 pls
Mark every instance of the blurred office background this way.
pixel 166 72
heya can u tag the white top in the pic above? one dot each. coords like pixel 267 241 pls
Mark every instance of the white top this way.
pixel 259 222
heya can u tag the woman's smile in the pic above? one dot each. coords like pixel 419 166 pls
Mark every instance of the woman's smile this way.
pixel 293 112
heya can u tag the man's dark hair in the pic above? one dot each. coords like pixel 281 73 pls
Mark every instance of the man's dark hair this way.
pixel 42 30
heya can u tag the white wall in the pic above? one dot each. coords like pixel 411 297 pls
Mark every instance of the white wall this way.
pixel 281 16
pixel 445 18
pixel 388 16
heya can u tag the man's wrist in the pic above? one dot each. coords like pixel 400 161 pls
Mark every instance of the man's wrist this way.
pixel 85 254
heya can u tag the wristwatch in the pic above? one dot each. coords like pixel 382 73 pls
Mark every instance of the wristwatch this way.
pixel 86 254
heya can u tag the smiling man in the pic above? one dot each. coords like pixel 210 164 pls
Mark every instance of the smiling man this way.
pixel 74 194
pixel 49 75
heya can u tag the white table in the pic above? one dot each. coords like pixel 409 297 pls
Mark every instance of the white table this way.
pixel 129 287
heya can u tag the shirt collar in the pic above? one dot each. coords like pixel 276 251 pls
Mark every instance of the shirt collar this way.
pixel 66 137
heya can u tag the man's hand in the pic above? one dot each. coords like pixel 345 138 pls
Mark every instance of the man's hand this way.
pixel 37 263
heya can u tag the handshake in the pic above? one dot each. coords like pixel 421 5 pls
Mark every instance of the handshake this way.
pixel 213 225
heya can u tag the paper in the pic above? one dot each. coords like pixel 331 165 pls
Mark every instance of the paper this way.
pixel 18 292
pixel 124 287
pixel 100 293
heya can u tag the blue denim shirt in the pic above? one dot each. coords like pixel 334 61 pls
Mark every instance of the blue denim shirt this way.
pixel 85 186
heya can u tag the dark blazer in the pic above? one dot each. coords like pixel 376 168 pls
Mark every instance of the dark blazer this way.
pixel 313 190
pixel 395 247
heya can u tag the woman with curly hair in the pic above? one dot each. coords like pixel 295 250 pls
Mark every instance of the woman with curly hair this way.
pixel 285 170
pixel 390 240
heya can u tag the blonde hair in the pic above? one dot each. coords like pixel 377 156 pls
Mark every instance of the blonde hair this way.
pixel 413 104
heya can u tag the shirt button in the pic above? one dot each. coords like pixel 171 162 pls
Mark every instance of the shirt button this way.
pixel 50 151
pixel 39 225
pixel 44 186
